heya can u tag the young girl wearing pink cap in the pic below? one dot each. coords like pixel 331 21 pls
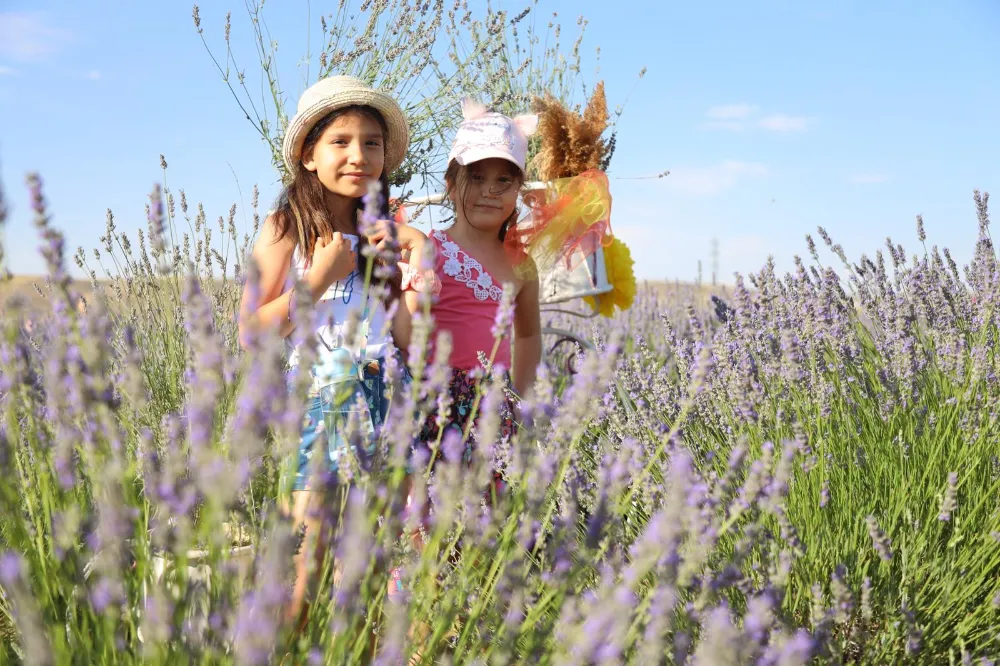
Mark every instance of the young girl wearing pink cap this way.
pixel 472 264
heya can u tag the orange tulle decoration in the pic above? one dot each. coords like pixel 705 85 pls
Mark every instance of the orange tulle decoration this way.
pixel 400 217
pixel 567 223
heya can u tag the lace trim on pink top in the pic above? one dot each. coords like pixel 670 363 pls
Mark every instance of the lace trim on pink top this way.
pixel 467 270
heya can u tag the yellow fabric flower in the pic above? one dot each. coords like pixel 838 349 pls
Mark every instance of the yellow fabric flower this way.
pixel 618 265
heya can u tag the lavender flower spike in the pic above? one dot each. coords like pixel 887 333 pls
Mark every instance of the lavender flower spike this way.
pixel 883 544
pixel 949 503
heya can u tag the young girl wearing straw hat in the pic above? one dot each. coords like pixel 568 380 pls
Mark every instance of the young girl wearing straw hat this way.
pixel 344 137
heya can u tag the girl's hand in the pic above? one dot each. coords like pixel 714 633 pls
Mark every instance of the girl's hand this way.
pixel 331 261
pixel 411 240
pixel 381 237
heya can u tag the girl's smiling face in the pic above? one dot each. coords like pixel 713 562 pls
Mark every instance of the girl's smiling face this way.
pixel 349 154
pixel 486 193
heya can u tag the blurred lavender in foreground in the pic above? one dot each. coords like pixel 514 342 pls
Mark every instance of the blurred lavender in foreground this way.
pixel 776 481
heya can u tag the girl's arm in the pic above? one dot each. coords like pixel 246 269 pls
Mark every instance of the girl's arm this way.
pixel 411 240
pixel 331 261
pixel 413 244
pixel 273 256
pixel 527 337
pixel 402 322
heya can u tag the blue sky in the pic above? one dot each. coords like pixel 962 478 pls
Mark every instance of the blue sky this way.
pixel 772 116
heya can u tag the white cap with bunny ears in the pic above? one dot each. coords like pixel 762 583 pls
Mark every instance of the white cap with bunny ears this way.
pixel 485 134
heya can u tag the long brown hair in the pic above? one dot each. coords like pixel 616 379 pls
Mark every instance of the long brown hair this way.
pixel 301 210
pixel 456 178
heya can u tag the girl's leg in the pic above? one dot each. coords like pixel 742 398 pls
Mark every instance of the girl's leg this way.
pixel 308 557
pixel 416 538
pixel 303 508
pixel 508 429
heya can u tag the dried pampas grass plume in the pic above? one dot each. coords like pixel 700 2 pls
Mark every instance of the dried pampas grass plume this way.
pixel 571 143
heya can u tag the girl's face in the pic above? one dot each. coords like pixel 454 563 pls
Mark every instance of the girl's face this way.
pixel 349 154
pixel 488 196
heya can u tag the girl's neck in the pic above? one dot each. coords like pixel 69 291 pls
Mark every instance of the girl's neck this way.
pixel 466 234
pixel 344 211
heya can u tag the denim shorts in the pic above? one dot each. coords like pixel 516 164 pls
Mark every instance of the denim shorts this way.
pixel 315 438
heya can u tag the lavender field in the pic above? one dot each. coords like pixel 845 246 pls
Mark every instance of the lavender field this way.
pixel 801 470
pixel 805 472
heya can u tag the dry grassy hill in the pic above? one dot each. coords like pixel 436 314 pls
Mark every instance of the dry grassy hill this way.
pixel 28 287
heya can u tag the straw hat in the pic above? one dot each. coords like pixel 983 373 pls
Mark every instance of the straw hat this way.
pixel 336 92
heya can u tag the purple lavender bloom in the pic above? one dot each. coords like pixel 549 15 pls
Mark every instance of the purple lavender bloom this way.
pixel 759 617
pixel 354 552
pixel 11 567
pixel 721 642
pixel 372 201
pixel 255 631
pixel 102 595
pixel 452 445
pixel 882 543
pixel 505 313
pixel 156 624
pixel 798 651
pixel 949 504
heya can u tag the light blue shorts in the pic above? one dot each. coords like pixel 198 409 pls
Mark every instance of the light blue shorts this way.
pixel 315 438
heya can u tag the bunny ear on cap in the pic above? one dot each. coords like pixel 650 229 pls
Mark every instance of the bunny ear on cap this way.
pixel 472 109
pixel 528 124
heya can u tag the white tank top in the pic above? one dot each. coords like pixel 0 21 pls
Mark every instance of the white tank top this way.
pixel 331 313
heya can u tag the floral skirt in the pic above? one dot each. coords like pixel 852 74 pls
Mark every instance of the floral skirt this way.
pixel 463 388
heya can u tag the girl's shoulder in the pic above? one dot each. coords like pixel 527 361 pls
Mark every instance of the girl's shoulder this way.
pixel 276 249
pixel 439 237
pixel 275 232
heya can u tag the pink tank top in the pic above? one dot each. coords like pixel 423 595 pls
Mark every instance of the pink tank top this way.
pixel 467 305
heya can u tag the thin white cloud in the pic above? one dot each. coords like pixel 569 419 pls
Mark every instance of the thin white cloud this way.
pixel 6 71
pixel 737 117
pixel 706 181
pixel 732 111
pixel 729 117
pixel 867 178
pixel 93 75
pixel 782 123
pixel 30 36
pixel 731 125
